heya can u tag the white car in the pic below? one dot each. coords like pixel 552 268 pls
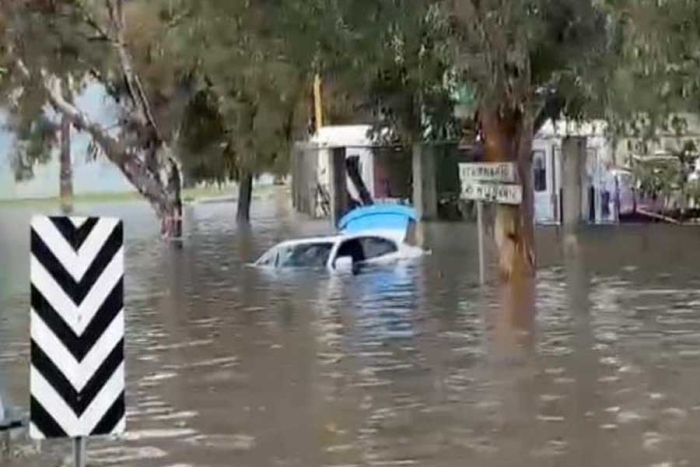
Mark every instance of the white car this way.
pixel 341 252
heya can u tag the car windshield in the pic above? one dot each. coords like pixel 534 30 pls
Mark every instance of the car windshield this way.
pixel 305 255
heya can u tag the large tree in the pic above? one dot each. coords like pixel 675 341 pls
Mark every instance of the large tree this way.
pixel 634 63
pixel 224 83
pixel 390 62
pixel 254 62
pixel 528 59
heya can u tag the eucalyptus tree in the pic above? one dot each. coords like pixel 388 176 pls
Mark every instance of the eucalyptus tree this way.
pixel 89 40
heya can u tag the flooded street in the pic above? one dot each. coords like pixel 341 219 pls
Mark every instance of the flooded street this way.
pixel 411 366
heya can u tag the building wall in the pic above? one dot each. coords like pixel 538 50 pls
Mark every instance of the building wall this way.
pixel 599 159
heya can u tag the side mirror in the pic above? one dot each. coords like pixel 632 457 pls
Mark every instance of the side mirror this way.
pixel 344 263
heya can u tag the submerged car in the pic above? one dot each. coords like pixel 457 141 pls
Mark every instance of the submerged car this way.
pixel 376 234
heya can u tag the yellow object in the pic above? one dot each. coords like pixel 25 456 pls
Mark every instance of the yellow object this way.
pixel 318 105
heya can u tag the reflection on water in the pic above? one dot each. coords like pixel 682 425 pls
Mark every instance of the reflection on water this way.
pixel 594 364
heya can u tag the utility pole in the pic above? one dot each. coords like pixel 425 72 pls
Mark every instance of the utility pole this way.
pixel 318 102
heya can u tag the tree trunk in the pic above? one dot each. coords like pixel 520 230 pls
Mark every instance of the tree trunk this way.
pixel 141 153
pixel 245 198
pixel 66 168
pixel 161 188
pixel 508 138
pixel 171 221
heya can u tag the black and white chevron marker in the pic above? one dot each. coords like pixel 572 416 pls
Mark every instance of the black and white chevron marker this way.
pixel 77 327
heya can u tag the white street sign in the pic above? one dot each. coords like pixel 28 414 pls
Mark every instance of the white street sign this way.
pixel 492 182
pixel 491 192
pixel 504 172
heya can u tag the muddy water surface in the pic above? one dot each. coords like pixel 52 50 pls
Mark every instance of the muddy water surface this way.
pixel 413 366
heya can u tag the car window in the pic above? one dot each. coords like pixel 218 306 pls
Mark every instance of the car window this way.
pixel 269 258
pixel 352 248
pixel 306 255
pixel 375 247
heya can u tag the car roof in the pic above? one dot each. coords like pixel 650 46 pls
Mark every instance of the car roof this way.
pixel 304 241
pixel 387 235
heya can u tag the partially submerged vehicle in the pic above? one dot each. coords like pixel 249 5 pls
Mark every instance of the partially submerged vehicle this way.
pixel 378 234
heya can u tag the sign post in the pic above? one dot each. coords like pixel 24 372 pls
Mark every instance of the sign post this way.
pixel 77 330
pixel 480 228
pixel 79 452
pixel 492 183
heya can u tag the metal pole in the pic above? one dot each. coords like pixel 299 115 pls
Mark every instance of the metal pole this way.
pixel 79 452
pixel 480 227
pixel 6 444
pixel 318 102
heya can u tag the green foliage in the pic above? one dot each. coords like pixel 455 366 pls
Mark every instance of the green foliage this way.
pixel 34 133
pixel 669 177
pixel 229 81
pixel 657 179
pixel 522 55
pixel 34 144
pixel 407 59
pixel 656 72
pixel 48 37
pixel 394 61
pixel 250 83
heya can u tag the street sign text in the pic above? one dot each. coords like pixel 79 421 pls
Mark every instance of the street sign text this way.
pixel 493 193
pixel 503 172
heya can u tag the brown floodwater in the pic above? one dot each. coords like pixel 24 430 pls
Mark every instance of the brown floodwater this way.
pixel 595 364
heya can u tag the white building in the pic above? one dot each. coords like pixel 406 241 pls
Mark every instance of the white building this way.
pixel 547 169
pixel 356 141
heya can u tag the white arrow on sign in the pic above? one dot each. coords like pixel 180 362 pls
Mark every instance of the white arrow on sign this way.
pixel 490 192
pixel 503 172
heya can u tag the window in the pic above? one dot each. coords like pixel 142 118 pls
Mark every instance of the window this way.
pixel 375 247
pixel 305 255
pixel 268 259
pixel 539 171
pixel 352 248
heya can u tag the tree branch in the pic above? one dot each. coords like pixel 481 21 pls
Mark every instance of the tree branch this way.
pixel 133 168
pixel 136 92
pixel 54 89
pixel 177 19
pixel 101 33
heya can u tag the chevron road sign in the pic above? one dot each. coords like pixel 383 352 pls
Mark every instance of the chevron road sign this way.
pixel 77 327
